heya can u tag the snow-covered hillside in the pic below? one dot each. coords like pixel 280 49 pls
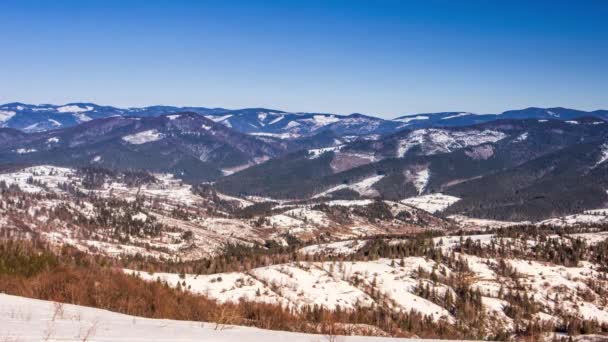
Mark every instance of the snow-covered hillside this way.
pixel 25 319
pixel 328 284
pixel 397 283
pixel 433 141
pixel 187 223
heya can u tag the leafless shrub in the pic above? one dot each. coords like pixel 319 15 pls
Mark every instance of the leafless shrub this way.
pixel 57 311
pixel 86 334
pixel 49 331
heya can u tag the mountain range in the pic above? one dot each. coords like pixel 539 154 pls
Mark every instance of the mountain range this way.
pixel 269 122
pixel 525 164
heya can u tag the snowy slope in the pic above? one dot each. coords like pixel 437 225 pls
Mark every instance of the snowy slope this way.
pixel 433 141
pixel 325 284
pixel 363 187
pixel 24 319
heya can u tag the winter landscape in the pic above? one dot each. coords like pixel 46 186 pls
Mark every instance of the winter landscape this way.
pixel 202 171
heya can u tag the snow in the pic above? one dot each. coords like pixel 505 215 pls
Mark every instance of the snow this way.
pixel 350 203
pixel 285 221
pixel 74 109
pixel 262 117
pixel 591 238
pixel 475 223
pixel 96 159
pixel 396 282
pixel 421 180
pixel 25 150
pixel 277 119
pixel 31 128
pixel 173 116
pixel 276 135
pixel 543 120
pixel 140 217
pixel 432 203
pixel 603 154
pixel 143 137
pixel 521 137
pixel 292 124
pixel 323 120
pixel 577 219
pixel 326 284
pixel 52 140
pixel 334 248
pixel 55 122
pixel 546 280
pixel 317 152
pixel 6 115
pixel 434 141
pixel 412 118
pixel 455 116
pixel 219 118
pixel 206 127
pixel 449 242
pixel 288 285
pixel 363 187
pixel 49 175
pixel 311 216
pixel 29 320
pixel 82 117
pixel 212 230
pixel 572 122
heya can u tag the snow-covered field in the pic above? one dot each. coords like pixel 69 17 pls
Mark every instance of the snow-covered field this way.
pixel 25 319
pixel 432 203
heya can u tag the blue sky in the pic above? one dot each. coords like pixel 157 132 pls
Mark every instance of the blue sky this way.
pixel 384 58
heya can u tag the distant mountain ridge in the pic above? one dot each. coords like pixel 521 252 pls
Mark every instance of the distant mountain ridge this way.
pixel 446 119
pixel 186 144
pixel 505 169
pixel 270 122
pixel 260 121
pixel 499 156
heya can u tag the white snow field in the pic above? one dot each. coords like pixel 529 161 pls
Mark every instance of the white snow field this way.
pixel 25 319
pixel 363 187
pixel 143 137
pixel 432 203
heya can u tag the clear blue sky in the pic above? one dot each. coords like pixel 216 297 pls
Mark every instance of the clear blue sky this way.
pixel 384 58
